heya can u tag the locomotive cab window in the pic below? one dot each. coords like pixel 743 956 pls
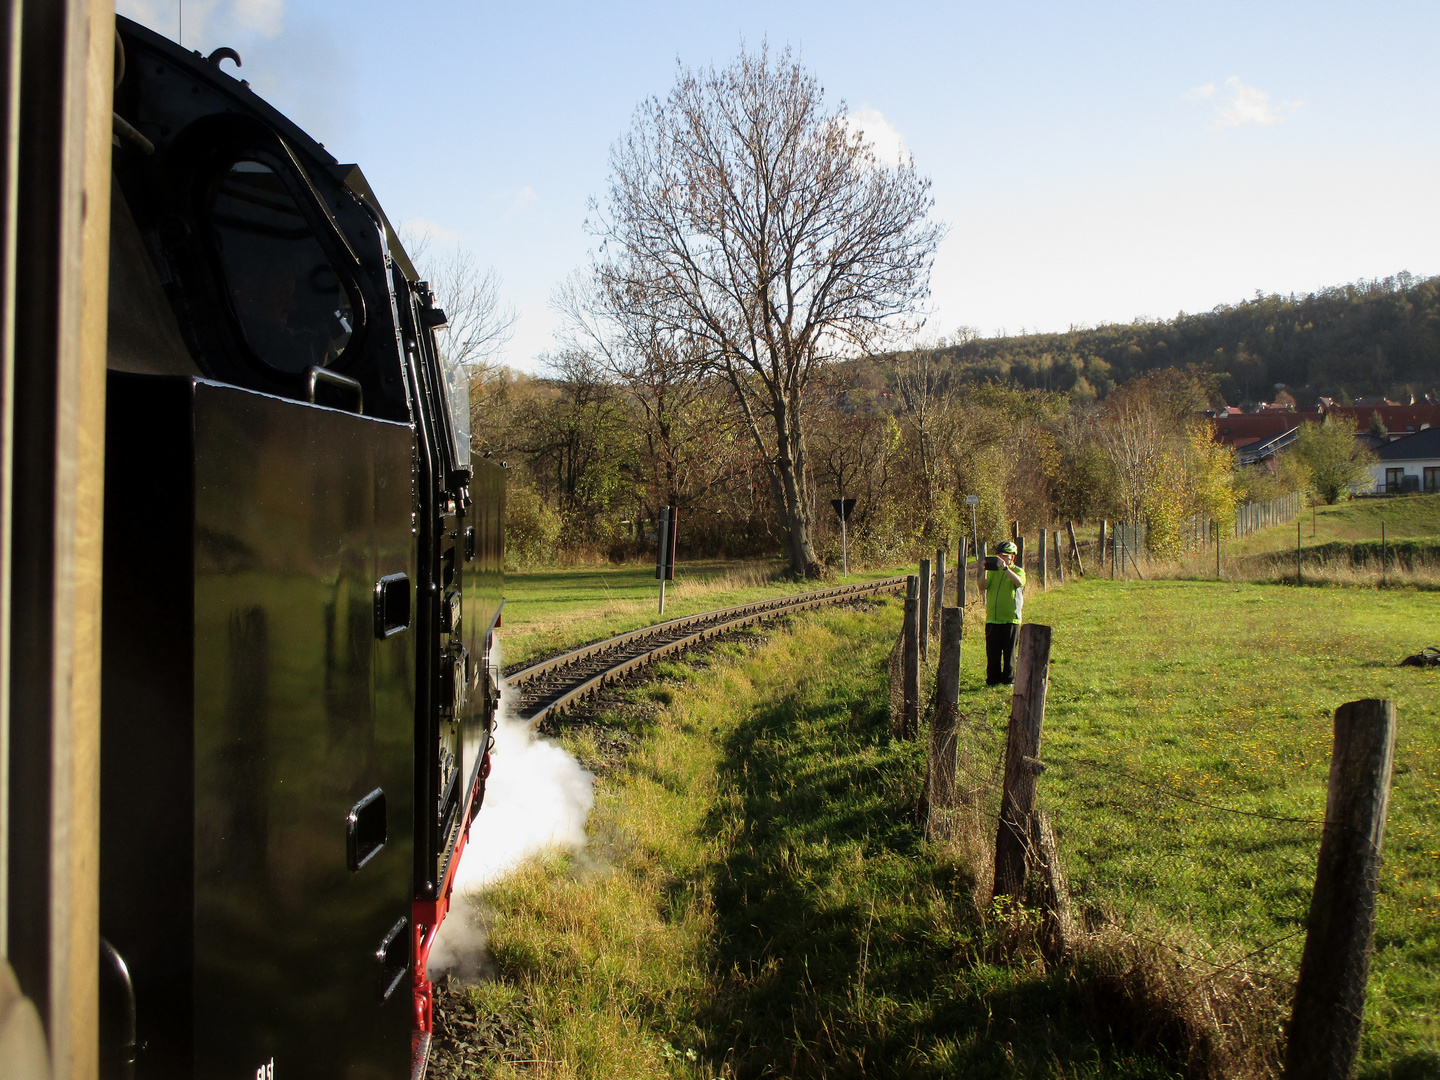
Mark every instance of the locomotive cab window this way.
pixel 293 308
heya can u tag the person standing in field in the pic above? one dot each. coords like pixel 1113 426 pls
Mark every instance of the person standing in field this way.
pixel 1004 601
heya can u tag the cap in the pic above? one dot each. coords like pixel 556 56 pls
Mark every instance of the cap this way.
pixel 1008 547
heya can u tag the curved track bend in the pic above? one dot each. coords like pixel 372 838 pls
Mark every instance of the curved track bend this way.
pixel 552 685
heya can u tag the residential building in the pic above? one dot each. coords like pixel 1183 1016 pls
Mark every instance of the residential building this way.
pixel 1409 464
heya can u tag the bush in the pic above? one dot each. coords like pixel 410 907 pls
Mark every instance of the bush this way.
pixel 532 528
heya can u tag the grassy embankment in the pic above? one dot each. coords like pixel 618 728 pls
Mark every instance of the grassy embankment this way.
pixel 547 610
pixel 758 901
pixel 1341 546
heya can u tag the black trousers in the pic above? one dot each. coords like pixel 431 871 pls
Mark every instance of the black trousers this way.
pixel 1000 652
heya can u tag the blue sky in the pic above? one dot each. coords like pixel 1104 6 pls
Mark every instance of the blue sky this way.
pixel 1095 162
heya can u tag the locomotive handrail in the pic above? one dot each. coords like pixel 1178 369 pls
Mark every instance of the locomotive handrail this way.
pixel 731 619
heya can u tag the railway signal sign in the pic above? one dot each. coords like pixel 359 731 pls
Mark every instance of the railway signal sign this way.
pixel 667 535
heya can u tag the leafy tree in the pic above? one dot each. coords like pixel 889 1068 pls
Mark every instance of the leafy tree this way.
pixel 746 216
pixel 1333 458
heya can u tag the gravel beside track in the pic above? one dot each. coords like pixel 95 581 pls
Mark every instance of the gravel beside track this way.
pixel 552 685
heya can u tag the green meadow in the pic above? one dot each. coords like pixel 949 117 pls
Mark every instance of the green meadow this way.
pixel 758 899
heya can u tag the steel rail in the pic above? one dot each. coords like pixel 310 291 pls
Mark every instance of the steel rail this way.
pixel 692 630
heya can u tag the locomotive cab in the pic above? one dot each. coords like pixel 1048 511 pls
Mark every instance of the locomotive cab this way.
pixel 302 568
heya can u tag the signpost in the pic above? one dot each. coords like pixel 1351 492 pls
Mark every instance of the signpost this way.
pixel 973 501
pixel 843 508
pixel 665 540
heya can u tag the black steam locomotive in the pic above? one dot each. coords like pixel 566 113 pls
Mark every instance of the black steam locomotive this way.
pixel 302 581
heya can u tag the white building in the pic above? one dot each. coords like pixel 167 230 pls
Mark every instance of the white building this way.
pixel 1409 464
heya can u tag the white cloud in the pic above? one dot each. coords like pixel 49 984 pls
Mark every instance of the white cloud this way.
pixel 523 198
pixel 1200 93
pixel 1244 105
pixel 888 143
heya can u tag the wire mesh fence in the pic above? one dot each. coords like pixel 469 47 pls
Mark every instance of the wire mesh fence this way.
pixel 1191 896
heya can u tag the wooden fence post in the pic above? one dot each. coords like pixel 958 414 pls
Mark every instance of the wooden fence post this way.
pixel 937 601
pixel 1044 561
pixel 1022 765
pixel 962 579
pixel 1059 562
pixel 1020 552
pixel 924 609
pixel 1075 549
pixel 910 661
pixel 980 572
pixel 1324 1032
pixel 943 730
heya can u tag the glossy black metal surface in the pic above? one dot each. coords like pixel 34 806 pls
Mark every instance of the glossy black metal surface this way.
pixel 298 692
pixel 481 551
pixel 249 707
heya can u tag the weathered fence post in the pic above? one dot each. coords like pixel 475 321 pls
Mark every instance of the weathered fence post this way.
pixel 961 577
pixel 1217 552
pixel 924 609
pixel 937 599
pixel 1299 550
pixel 1044 561
pixel 1055 897
pixel 1324 1032
pixel 943 728
pixel 1383 552
pixel 1022 764
pixel 1020 552
pixel 1059 562
pixel 910 660
pixel 1075 549
pixel 980 571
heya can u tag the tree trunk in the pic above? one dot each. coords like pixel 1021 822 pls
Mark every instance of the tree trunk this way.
pixel 793 505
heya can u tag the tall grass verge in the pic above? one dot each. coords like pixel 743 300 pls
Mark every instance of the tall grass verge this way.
pixel 759 899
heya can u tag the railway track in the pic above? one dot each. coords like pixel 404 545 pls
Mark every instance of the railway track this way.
pixel 551 686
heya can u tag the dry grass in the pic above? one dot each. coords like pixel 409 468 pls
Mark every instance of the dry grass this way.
pixel 1219 1021
pixel 1317 568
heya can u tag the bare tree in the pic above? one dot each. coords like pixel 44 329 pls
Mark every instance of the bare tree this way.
pixel 745 216
pixel 478 326
pixel 925 397
pixel 689 431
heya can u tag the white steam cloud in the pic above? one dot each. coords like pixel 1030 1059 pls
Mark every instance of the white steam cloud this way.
pixel 537 797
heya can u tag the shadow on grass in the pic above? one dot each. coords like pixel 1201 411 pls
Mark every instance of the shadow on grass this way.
pixel 844 946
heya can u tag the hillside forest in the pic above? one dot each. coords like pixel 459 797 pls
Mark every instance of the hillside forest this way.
pixel 1094 423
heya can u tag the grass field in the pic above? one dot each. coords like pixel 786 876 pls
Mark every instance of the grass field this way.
pixel 1406 517
pixel 758 901
pixel 1180 711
